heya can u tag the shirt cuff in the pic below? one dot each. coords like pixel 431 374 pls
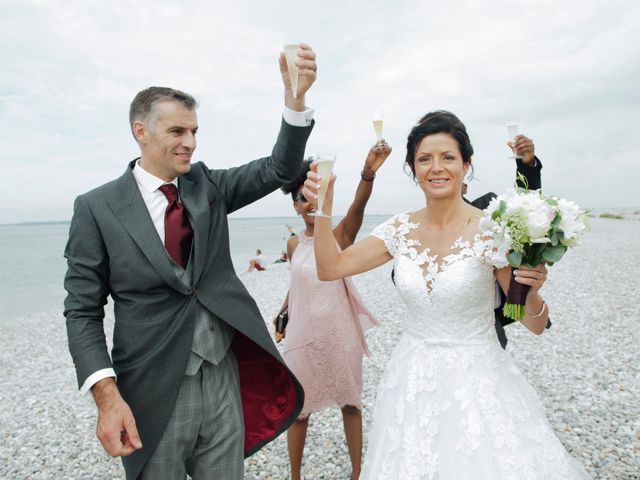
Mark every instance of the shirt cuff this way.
pixel 95 377
pixel 298 119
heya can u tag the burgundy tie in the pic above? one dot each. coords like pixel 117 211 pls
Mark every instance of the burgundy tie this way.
pixel 177 231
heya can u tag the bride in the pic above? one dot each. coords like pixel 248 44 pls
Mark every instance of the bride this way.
pixel 452 405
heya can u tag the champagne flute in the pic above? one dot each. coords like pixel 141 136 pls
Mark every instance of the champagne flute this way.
pixel 325 162
pixel 512 131
pixel 291 54
pixel 377 123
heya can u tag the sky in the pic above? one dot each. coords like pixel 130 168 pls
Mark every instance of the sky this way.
pixel 568 72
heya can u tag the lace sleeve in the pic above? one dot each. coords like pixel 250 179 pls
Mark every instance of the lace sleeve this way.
pixel 387 232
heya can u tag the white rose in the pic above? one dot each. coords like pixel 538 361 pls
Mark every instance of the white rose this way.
pixel 538 224
pixel 572 222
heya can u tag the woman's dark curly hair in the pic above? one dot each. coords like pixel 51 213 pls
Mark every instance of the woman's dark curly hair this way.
pixel 292 188
pixel 439 121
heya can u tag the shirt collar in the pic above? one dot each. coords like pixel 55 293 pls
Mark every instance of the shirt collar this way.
pixel 149 182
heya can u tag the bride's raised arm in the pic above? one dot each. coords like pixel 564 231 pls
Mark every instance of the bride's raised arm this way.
pixel 330 262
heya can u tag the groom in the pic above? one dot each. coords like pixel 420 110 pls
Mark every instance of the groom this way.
pixel 194 382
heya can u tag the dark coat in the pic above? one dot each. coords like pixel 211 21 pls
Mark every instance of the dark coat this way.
pixel 114 249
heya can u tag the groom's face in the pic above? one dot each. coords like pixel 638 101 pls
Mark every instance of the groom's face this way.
pixel 169 141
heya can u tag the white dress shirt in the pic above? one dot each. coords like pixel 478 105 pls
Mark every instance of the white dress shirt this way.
pixel 157 202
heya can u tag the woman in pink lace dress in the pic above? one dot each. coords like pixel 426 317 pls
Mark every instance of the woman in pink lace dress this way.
pixel 324 337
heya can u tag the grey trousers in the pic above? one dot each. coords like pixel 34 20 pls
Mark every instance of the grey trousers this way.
pixel 205 434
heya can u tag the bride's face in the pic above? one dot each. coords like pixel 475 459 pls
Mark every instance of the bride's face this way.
pixel 438 165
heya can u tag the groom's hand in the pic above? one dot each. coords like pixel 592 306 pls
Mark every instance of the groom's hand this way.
pixel 116 428
pixel 307 69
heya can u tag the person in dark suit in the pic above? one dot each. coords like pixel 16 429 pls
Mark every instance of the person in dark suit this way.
pixel 200 384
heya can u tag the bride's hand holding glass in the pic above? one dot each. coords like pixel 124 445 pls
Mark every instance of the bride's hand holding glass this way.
pixel 312 187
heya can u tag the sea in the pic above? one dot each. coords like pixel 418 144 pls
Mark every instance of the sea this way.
pixel 32 265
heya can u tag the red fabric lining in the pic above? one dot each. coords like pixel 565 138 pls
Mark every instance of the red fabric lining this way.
pixel 268 393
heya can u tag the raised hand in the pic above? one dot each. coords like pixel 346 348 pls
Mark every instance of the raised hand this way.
pixel 376 157
pixel 523 147
pixel 307 73
pixel 311 187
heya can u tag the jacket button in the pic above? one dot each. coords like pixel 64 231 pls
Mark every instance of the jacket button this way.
pixel 212 328
pixel 192 293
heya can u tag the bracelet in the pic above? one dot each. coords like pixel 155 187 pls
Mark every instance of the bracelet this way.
pixel 365 178
pixel 544 306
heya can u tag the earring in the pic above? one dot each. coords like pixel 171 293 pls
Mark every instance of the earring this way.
pixel 464 188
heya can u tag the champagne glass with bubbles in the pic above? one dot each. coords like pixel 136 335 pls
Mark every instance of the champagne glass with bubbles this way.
pixel 377 123
pixel 325 162
pixel 291 54
pixel 512 131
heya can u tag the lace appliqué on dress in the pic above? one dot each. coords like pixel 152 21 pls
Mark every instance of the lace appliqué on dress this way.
pixel 394 233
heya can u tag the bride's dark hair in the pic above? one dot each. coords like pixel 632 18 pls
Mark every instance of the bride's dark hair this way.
pixel 439 121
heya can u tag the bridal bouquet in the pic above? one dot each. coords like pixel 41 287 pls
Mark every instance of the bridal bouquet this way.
pixel 533 228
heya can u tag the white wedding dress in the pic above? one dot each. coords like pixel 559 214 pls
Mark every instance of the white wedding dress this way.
pixel 452 405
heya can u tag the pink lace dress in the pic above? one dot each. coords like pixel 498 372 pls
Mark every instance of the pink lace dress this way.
pixel 325 340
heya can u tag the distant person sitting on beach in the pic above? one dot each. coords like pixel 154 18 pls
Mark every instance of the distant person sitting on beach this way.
pixel 256 263
pixel 325 340
pixel 284 258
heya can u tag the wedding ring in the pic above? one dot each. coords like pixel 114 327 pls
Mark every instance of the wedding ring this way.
pixel 540 275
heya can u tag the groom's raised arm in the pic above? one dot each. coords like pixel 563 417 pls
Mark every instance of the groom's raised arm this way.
pixel 243 185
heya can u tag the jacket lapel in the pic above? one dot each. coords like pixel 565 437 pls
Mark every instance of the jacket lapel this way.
pixel 196 203
pixel 132 213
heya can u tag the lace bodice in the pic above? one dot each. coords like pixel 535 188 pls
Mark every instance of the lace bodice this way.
pixel 450 299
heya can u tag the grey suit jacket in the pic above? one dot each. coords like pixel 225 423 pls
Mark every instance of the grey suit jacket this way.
pixel 114 249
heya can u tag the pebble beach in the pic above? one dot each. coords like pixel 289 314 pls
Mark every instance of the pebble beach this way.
pixel 586 369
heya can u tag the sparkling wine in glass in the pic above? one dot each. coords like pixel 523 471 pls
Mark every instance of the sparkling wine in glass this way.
pixel 377 123
pixel 291 54
pixel 325 162
pixel 512 131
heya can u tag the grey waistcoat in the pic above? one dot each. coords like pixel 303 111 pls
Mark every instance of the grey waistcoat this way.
pixel 211 336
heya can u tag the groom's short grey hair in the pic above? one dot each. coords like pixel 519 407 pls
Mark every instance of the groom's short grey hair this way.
pixel 144 105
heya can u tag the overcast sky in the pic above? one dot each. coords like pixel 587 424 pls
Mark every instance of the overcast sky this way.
pixel 567 71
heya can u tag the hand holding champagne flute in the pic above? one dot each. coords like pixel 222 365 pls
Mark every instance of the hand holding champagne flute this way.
pixel 324 166
pixel 298 69
pixel 318 188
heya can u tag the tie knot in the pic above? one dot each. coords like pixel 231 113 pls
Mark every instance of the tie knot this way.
pixel 170 191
